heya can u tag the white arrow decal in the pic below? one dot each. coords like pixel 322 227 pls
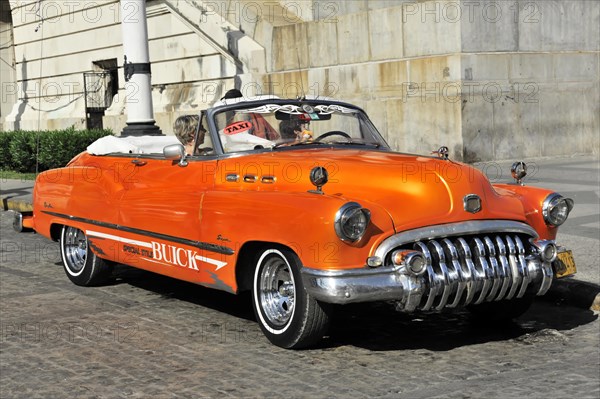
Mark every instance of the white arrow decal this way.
pixel 215 262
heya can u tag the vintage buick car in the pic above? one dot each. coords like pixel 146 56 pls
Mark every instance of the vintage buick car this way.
pixel 304 204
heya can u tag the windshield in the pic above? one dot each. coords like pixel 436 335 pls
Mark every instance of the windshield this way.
pixel 252 127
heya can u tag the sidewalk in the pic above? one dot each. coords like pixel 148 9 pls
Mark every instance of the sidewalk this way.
pixel 575 177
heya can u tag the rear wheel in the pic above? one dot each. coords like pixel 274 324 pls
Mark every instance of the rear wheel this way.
pixel 287 315
pixel 81 265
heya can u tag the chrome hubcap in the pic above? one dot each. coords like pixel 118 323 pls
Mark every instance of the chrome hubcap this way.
pixel 277 291
pixel 75 249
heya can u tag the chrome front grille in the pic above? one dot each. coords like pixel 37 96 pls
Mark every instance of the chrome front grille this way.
pixel 473 269
pixel 469 263
pixel 466 263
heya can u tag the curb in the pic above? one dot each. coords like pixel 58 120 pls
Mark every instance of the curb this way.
pixel 580 294
pixel 9 204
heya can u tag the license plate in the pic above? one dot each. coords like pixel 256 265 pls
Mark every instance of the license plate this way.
pixel 565 264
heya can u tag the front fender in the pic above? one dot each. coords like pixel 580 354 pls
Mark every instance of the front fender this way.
pixel 302 221
pixel 532 199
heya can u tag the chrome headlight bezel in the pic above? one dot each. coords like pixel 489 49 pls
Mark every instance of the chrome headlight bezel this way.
pixel 552 203
pixel 351 222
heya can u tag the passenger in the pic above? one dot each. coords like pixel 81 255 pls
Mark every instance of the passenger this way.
pixel 293 129
pixel 185 130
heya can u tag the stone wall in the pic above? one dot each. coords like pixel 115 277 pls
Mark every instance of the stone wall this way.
pixel 535 76
pixel 491 80
pixel 7 63
pixel 488 79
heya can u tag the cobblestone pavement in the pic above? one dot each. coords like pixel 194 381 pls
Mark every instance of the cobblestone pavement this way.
pixel 150 336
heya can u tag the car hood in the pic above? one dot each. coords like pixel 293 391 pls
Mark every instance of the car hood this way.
pixel 415 190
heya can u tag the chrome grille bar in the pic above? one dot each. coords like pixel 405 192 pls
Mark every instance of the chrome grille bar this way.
pixel 435 285
pixel 505 266
pixel 448 284
pixel 479 268
pixel 475 279
pixel 457 272
pixel 498 273
pixel 484 269
pixel 522 265
pixel 514 267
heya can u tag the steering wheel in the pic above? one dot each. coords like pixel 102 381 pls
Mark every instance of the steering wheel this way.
pixel 333 133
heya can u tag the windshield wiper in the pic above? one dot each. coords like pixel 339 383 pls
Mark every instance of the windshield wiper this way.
pixel 293 144
pixel 376 145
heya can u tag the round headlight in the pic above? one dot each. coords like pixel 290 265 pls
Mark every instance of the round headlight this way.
pixel 351 222
pixel 556 209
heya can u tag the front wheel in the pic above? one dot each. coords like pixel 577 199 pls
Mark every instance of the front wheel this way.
pixel 81 265
pixel 287 315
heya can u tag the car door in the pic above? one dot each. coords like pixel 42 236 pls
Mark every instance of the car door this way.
pixel 160 215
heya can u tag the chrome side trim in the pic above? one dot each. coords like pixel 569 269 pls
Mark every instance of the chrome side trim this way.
pixel 198 244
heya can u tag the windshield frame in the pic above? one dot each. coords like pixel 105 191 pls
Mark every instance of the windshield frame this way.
pixel 362 115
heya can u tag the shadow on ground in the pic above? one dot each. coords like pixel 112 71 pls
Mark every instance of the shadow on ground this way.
pixel 379 326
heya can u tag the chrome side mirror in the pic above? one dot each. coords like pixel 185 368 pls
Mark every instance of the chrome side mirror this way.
pixel 175 152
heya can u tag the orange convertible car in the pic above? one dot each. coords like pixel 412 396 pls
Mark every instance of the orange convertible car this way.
pixel 304 204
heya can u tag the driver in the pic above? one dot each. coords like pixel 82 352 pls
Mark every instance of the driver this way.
pixel 294 129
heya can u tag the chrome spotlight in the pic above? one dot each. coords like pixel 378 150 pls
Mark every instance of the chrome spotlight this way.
pixel 518 170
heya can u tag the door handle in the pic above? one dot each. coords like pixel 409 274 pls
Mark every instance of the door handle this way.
pixel 139 162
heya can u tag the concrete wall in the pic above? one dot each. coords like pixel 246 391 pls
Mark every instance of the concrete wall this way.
pixel 488 79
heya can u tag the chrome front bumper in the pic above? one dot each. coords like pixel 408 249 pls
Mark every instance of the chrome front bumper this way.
pixel 496 265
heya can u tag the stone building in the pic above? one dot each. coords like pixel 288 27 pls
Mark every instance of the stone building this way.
pixel 488 79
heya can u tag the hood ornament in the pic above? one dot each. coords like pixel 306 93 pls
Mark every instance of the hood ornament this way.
pixel 442 152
